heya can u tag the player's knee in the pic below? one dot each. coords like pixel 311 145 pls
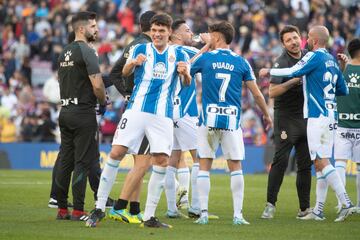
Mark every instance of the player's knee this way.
pixel 234 165
pixel 141 168
pixel 118 152
pixel 160 159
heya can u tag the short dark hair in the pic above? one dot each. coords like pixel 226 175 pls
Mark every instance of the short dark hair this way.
pixel 145 20
pixel 162 19
pixel 288 29
pixel 83 18
pixel 354 47
pixel 225 28
pixel 177 23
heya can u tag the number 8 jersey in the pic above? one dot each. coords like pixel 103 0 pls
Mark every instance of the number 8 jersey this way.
pixel 223 72
pixel 322 81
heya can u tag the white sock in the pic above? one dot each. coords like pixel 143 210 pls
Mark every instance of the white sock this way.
pixel 176 185
pixel 203 182
pixel 155 188
pixel 340 167
pixel 358 184
pixel 107 180
pixel 237 189
pixel 321 193
pixel 184 181
pixel 170 189
pixel 335 183
pixel 195 203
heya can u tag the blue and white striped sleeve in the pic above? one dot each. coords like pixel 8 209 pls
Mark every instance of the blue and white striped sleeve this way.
pixel 306 65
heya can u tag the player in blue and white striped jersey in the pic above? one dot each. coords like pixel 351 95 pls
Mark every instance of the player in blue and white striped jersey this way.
pixel 223 73
pixel 185 134
pixel 322 81
pixel 157 67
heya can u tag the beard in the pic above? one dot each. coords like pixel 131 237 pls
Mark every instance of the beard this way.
pixel 90 37
pixel 310 47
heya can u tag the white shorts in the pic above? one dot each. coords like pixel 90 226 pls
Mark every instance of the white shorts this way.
pixel 134 125
pixel 231 141
pixel 320 135
pixel 347 144
pixel 185 133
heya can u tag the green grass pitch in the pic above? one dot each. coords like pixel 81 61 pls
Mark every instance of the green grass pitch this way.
pixel 24 213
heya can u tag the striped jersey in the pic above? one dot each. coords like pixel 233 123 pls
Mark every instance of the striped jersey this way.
pixel 223 73
pixel 349 106
pixel 155 80
pixel 185 100
pixel 322 81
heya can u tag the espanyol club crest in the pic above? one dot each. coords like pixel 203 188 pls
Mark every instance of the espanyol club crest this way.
pixel 171 58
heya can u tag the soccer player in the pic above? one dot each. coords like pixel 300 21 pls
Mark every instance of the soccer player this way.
pixel 323 81
pixel 156 68
pixel 185 133
pixel 223 73
pixel 289 127
pixel 81 85
pixel 142 159
pixel 347 139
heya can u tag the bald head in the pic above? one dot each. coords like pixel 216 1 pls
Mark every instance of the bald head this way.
pixel 320 32
pixel 318 37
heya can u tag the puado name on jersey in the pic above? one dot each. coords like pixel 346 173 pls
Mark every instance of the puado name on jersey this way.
pixel 223 65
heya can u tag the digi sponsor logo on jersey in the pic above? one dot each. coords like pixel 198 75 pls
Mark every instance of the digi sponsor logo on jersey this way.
pixel 159 71
pixel 228 111
pixel 67 62
pixel 67 101
pixel 349 116
pixel 223 65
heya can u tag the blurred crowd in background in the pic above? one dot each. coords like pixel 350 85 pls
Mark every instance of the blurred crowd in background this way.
pixel 33 34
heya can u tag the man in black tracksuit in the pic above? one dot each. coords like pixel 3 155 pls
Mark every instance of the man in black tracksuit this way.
pixel 81 87
pixel 289 127
pixel 132 185
pixel 94 172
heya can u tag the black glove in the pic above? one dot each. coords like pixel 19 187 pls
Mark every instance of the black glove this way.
pixel 100 109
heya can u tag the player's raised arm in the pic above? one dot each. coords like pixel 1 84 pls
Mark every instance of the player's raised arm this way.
pixel 132 63
pixel 307 64
pixel 205 37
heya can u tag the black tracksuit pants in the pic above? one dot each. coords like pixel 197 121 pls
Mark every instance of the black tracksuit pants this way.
pixel 290 131
pixel 79 151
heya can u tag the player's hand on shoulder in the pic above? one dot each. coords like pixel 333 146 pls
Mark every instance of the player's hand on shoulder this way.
pixel 343 60
pixel 342 57
pixel 264 72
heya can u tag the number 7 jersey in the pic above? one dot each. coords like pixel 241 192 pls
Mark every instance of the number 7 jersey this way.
pixel 223 73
